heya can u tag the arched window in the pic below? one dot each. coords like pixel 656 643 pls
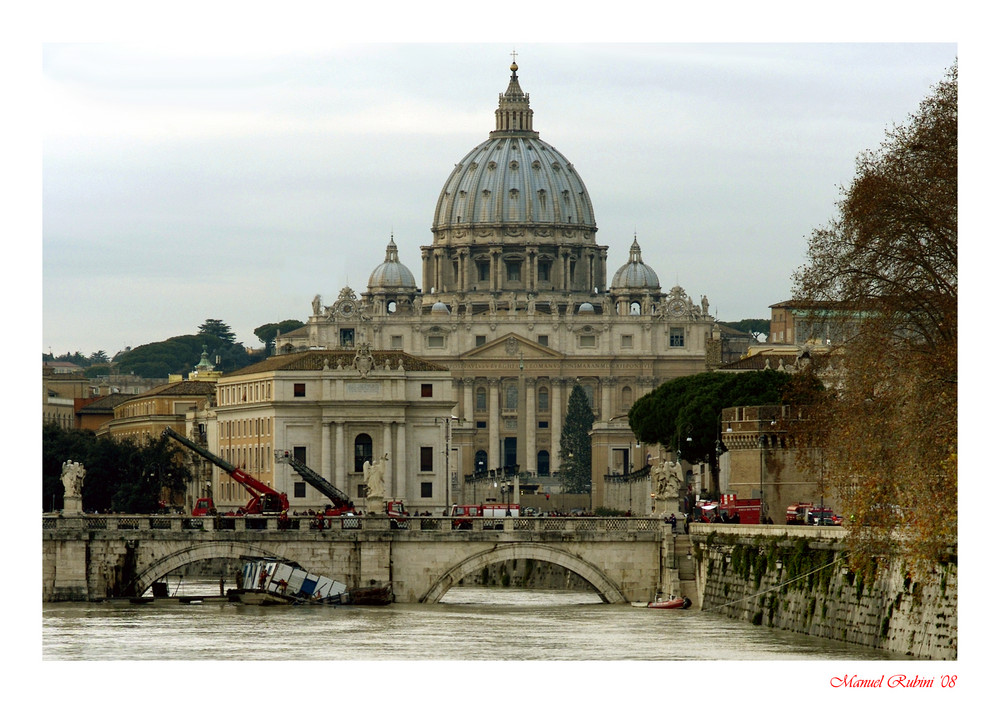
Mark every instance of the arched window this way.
pixel 626 398
pixel 362 451
pixel 481 462
pixel 543 463
pixel 634 308
pixel 510 395
pixel 543 400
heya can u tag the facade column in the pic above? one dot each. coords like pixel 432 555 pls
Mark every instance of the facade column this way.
pixel 401 486
pixel 468 385
pixel 607 391
pixel 494 453
pixel 393 463
pixel 532 269
pixel 426 256
pixel 530 427
pixel 326 458
pixel 340 457
pixel 495 269
pixel 558 414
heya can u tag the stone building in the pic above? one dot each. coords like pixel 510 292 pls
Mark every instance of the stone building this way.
pixel 145 416
pixel 333 411
pixel 60 391
pixel 515 302
pixel 766 456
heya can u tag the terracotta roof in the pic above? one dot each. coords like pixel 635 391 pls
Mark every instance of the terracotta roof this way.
pixel 200 388
pixel 105 403
pixel 314 360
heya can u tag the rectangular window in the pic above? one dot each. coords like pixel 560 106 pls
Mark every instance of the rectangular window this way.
pixel 513 270
pixel 300 454
pixel 299 390
pixel 480 424
pixel 480 340
pixel 396 342
pixel 426 390
pixel 362 491
pixel 626 341
pixel 543 424
pixel 299 489
pixel 426 458
pixel 483 269
pixel 435 342
pixel 426 489
pixel 588 340
pixel 347 337
pixel 543 270
pixel 677 336
pixel 543 339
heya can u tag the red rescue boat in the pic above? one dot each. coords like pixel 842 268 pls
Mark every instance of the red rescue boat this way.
pixel 678 602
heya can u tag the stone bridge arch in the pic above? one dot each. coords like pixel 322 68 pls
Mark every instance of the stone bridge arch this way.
pixel 607 589
pixel 196 552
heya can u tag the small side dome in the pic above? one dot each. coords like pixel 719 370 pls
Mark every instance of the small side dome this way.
pixel 391 273
pixel 635 274
pixel 585 308
pixel 439 308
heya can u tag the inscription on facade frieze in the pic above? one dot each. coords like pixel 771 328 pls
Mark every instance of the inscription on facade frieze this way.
pixel 362 388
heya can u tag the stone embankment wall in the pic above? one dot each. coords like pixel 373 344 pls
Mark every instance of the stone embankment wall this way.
pixel 799 581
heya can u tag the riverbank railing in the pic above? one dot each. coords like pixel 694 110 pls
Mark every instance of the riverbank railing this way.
pixel 367 523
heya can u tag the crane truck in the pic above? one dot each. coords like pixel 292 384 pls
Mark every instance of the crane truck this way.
pixel 340 504
pixel 263 500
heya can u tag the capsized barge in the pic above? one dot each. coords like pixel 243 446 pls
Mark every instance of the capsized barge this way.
pixel 268 581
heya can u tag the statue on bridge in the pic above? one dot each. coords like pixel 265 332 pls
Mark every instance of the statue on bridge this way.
pixel 72 479
pixel 667 480
pixel 375 480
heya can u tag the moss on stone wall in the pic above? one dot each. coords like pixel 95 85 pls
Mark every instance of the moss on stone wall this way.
pixel 804 585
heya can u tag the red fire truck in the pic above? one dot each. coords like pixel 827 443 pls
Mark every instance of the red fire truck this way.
pixel 729 508
pixel 493 510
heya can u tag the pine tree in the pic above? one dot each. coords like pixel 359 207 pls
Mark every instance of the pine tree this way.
pixel 574 444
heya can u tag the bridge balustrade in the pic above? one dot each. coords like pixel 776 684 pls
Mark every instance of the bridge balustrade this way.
pixel 373 523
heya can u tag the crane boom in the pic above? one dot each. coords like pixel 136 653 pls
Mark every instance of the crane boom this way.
pixel 337 497
pixel 264 498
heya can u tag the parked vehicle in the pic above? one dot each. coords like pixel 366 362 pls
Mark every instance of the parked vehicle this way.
pixel 494 510
pixel 728 508
pixel 263 498
pixel 340 504
pixel 809 514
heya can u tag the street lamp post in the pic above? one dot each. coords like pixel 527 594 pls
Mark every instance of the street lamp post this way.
pixel 760 443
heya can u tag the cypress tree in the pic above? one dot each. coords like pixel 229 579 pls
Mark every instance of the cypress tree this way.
pixel 574 444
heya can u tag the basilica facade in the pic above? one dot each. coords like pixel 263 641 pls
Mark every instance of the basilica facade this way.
pixel 515 303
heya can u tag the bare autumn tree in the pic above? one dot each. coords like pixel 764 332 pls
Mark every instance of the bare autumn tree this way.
pixel 889 262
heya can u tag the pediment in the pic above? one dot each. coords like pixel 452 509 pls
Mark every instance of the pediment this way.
pixel 511 346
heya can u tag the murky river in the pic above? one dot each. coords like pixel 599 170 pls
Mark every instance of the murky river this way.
pixel 471 623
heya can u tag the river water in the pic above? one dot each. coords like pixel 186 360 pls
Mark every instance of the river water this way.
pixel 471 623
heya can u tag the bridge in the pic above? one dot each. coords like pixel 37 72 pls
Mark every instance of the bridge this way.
pixel 93 557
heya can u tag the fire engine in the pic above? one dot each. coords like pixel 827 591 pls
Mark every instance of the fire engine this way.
pixel 494 510
pixel 809 514
pixel 728 508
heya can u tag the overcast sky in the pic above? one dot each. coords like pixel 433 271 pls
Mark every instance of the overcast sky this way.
pixel 191 182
